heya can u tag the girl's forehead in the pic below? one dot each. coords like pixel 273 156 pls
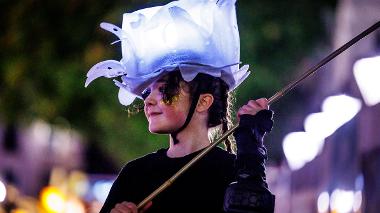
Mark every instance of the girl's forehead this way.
pixel 158 82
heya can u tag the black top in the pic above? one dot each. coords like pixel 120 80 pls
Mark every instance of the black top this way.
pixel 200 187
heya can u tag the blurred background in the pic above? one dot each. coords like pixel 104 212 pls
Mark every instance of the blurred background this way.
pixel 61 145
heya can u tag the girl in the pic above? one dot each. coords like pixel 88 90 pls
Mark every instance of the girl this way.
pixel 181 60
pixel 202 188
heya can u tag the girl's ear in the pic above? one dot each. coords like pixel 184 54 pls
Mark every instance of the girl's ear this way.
pixel 204 103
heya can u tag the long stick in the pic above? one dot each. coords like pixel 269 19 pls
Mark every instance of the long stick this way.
pixel 271 100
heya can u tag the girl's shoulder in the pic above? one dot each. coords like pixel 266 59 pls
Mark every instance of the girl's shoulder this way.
pixel 219 152
pixel 145 160
pixel 158 159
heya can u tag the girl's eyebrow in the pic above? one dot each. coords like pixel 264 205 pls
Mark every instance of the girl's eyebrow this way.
pixel 162 80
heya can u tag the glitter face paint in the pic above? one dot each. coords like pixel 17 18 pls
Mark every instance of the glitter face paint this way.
pixel 164 118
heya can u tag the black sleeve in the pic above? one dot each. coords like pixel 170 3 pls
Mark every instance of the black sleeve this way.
pixel 116 194
pixel 250 193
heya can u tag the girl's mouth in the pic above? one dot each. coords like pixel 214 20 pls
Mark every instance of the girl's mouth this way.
pixel 152 114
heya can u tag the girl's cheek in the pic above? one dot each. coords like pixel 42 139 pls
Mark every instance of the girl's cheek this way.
pixel 176 116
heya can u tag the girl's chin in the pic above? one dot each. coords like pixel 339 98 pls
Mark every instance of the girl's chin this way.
pixel 159 131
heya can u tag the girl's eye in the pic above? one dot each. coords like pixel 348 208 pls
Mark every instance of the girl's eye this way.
pixel 145 93
pixel 162 89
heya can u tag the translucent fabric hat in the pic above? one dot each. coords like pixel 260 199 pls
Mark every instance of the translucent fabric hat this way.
pixel 194 36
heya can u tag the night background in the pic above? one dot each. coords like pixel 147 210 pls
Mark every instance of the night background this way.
pixel 56 134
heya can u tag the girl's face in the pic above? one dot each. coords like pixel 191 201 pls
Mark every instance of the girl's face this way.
pixel 163 117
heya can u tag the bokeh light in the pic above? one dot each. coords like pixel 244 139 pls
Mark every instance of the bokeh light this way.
pixel 342 201
pixel 323 202
pixel 302 147
pixel 367 75
pixel 53 200
pixel 3 191
pixel 101 189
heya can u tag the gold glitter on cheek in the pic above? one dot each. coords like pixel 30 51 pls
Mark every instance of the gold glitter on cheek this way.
pixel 170 101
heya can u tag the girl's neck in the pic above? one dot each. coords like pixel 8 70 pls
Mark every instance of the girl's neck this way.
pixel 189 142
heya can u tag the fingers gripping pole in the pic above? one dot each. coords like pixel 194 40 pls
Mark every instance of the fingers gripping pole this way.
pixel 271 100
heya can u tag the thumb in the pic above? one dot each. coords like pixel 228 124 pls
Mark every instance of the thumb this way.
pixel 146 207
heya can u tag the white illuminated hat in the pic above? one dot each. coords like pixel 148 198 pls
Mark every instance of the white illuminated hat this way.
pixel 194 36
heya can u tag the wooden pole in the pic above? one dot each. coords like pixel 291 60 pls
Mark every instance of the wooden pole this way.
pixel 271 100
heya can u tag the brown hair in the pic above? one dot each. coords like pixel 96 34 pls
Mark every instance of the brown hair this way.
pixel 220 110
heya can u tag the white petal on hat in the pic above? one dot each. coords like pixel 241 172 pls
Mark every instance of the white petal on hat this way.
pixel 222 2
pixel 125 97
pixel 189 71
pixel 179 34
pixel 240 75
pixel 108 69
pixel 128 48
pixel 113 29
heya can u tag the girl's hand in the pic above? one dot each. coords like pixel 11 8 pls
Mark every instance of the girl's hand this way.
pixel 128 207
pixel 253 107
